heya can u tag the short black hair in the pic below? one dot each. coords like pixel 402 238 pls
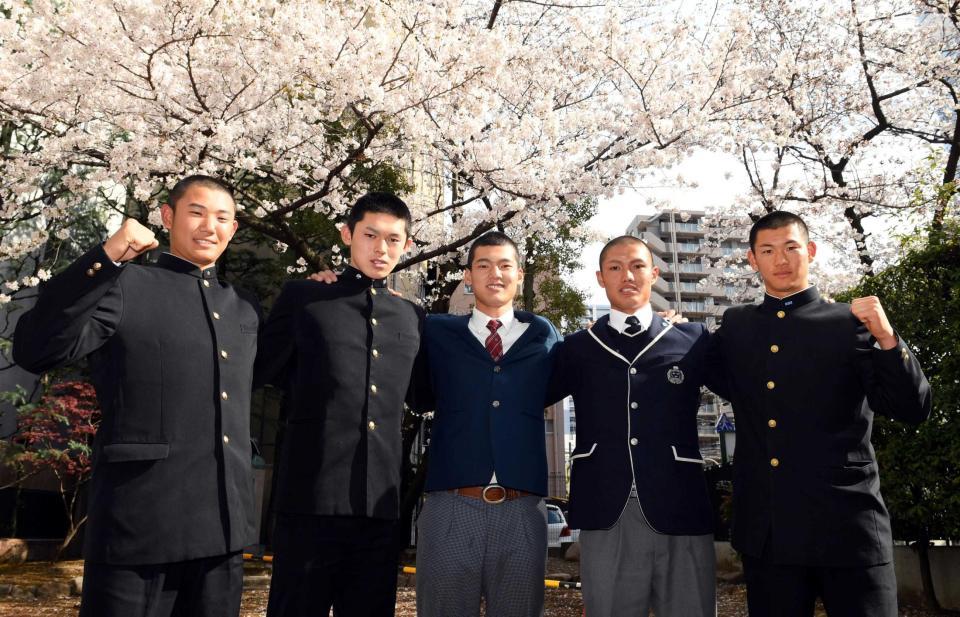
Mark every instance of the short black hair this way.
pixel 491 238
pixel 184 184
pixel 380 203
pixel 623 240
pixel 776 220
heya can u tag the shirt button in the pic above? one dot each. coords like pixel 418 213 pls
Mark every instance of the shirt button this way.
pixel 373 388
pixel 90 272
pixel 226 439
pixel 774 348
pixel 373 291
pixel 206 283
pixel 774 462
pixel 781 314
pixel 772 423
pixel 496 369
pixel 633 371
pixel 224 395
pixel 771 385
pixel 97 265
pixel 373 320
pixel 633 405
pixel 224 354
pixel 371 425
pixel 634 441
pixel 216 315
pixel 375 353
pixel 496 403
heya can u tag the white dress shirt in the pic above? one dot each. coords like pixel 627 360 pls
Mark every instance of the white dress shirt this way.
pixel 618 320
pixel 509 332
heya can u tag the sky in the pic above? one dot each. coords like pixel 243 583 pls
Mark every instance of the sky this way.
pixel 719 178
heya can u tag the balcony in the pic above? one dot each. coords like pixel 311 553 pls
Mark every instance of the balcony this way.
pixel 655 243
pixel 658 302
pixel 660 263
pixel 686 248
pixel 687 228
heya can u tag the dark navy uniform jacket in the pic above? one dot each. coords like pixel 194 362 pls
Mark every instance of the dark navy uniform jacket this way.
pixel 344 353
pixel 636 422
pixel 489 415
pixel 805 380
pixel 171 352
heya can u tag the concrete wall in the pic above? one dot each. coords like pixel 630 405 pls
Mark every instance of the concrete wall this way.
pixel 944 566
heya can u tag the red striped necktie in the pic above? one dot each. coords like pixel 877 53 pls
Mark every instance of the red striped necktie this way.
pixel 494 344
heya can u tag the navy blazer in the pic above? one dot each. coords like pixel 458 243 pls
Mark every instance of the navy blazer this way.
pixel 489 415
pixel 805 379
pixel 637 422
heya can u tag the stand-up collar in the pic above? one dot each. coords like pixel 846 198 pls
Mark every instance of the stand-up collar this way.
pixel 352 274
pixel 793 301
pixel 181 265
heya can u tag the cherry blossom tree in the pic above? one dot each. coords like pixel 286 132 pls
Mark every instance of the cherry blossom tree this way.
pixel 865 126
pixel 499 111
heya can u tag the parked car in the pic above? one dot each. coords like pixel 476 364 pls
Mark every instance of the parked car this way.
pixel 558 533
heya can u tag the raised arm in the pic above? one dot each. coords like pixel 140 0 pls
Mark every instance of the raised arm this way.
pixel 79 309
pixel 891 375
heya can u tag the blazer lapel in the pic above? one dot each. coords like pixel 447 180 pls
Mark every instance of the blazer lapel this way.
pixel 473 344
pixel 527 343
pixel 604 335
pixel 649 337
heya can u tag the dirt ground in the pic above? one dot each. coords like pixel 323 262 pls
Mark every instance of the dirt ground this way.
pixel 19 595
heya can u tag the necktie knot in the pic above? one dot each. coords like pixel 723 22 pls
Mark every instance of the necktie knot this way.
pixel 633 325
pixel 494 324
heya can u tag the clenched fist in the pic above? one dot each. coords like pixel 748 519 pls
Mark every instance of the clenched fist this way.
pixel 869 311
pixel 131 240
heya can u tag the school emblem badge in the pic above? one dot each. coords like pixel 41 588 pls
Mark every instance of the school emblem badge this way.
pixel 675 375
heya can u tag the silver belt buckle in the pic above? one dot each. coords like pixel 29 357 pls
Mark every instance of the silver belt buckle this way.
pixel 483 495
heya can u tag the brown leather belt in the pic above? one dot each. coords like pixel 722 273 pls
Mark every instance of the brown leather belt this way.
pixel 492 493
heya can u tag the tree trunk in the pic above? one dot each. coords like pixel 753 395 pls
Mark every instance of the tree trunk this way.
pixel 922 546
pixel 529 274
pixel 71 534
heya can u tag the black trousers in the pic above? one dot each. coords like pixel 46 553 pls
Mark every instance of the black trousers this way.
pixel 345 562
pixel 209 587
pixel 790 591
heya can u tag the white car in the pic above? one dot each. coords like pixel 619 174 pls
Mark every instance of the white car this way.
pixel 558 533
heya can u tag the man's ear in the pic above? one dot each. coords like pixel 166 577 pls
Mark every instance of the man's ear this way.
pixel 166 216
pixel 468 277
pixel 753 260
pixel 811 249
pixel 600 279
pixel 407 245
pixel 345 234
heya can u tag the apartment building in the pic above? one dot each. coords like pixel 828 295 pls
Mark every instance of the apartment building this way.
pixel 687 246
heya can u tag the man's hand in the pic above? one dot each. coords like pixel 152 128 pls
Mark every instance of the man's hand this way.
pixel 130 241
pixel 869 311
pixel 672 316
pixel 324 276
